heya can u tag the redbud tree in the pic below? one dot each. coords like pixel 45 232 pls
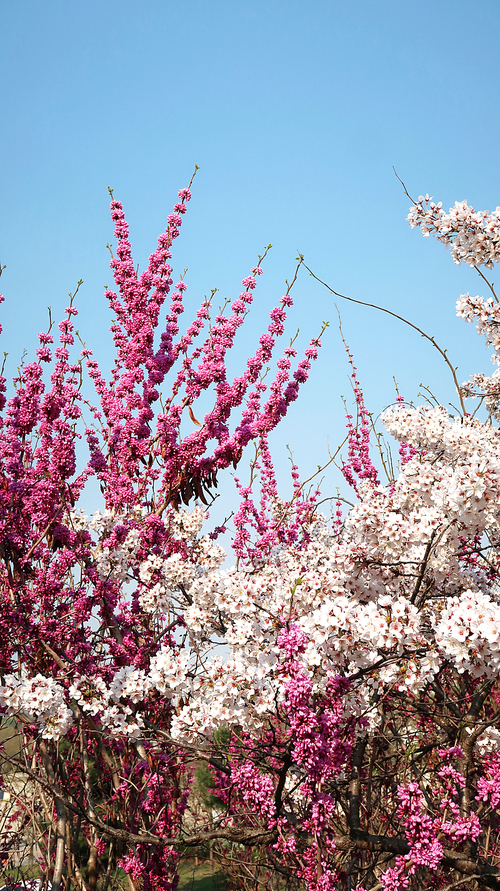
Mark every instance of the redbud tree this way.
pixel 332 688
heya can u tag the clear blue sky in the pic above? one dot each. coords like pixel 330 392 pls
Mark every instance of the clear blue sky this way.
pixel 296 113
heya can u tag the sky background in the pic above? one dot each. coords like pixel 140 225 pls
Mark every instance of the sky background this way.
pixel 296 114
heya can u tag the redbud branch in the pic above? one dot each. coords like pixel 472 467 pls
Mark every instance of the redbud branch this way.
pixel 42 536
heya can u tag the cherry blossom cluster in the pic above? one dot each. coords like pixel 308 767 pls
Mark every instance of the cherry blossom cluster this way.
pixel 472 236
pixel 351 617
pixel 39 699
pixel 486 313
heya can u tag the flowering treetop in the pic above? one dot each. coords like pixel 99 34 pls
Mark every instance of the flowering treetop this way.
pixel 340 679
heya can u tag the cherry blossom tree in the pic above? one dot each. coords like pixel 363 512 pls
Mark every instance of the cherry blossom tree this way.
pixel 338 682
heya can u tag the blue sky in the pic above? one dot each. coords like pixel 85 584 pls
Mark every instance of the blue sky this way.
pixel 296 114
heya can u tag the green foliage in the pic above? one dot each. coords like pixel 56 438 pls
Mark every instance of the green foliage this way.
pixel 204 782
pixel 200 878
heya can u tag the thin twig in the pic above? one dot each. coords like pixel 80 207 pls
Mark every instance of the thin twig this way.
pixel 487 282
pixel 401 319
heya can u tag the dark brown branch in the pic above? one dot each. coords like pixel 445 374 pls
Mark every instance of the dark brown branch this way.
pixel 355 784
pixel 423 566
